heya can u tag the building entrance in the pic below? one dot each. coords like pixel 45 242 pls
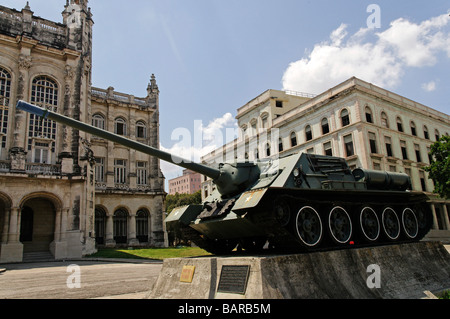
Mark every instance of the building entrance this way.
pixel 37 225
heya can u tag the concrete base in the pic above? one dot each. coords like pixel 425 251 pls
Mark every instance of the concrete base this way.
pixel 401 271
pixel 11 253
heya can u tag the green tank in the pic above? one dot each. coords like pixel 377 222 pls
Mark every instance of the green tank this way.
pixel 301 202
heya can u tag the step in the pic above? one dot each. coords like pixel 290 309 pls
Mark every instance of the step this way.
pixel 38 256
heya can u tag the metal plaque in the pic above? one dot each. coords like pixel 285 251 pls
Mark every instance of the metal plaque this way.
pixel 187 274
pixel 233 279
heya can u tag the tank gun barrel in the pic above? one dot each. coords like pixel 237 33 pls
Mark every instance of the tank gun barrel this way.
pixel 47 114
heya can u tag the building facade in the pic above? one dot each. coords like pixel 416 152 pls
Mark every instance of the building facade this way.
pixel 189 183
pixel 369 126
pixel 50 192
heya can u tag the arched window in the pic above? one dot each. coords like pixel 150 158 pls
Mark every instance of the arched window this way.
pixel 142 226
pixel 325 126
pixel 308 133
pixel 413 128
pixel 265 120
pixel 369 117
pixel 44 93
pixel 120 126
pixel 141 129
pixel 100 226
pixel 437 135
pixel 280 145
pixel 98 121
pixel 399 124
pixel 384 120
pixel 120 224
pixel 345 118
pixel 5 93
pixel 426 135
pixel 293 139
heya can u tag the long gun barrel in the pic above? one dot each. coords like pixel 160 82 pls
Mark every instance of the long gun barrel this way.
pixel 200 168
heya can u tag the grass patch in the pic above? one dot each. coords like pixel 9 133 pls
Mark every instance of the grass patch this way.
pixel 150 253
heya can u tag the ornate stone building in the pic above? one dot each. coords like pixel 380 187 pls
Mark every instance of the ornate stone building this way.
pixel 63 191
pixel 367 125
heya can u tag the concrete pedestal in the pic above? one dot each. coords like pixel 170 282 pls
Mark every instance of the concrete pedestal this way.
pixel 405 271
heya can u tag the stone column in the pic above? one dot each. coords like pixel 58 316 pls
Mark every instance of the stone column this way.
pixel 132 240
pixel 445 217
pixel 64 216
pixel 18 150
pixel 4 238
pixel 12 249
pixel 58 226
pixel 435 222
pixel 109 240
pixel 14 226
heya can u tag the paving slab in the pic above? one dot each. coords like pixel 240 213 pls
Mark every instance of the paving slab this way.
pixel 59 280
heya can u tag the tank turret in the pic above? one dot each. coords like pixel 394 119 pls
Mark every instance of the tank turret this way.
pixel 298 202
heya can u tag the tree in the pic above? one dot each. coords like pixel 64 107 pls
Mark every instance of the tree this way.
pixel 177 200
pixel 439 169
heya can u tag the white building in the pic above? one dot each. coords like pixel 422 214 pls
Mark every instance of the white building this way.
pixel 368 126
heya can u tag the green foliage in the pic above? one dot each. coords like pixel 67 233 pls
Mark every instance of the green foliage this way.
pixel 439 169
pixel 177 200
pixel 150 253
pixel 445 295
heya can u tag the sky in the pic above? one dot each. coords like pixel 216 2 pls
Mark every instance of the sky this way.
pixel 211 57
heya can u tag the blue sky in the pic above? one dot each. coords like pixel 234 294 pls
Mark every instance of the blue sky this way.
pixel 212 56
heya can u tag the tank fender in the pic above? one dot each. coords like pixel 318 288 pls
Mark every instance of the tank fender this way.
pixel 249 199
pixel 184 215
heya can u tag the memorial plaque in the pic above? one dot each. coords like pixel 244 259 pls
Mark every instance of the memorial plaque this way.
pixel 233 279
pixel 187 274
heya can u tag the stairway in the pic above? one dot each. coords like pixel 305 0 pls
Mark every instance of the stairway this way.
pixel 39 256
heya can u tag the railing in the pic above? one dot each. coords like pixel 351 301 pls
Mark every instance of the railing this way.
pixel 121 97
pixel 300 94
pixel 5 166
pixel 43 169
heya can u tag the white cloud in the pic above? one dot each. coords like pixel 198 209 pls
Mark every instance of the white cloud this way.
pixel 192 144
pixel 377 57
pixel 429 86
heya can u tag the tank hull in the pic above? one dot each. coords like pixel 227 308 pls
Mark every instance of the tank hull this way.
pixel 296 220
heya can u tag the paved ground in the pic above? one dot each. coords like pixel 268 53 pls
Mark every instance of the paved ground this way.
pixel 98 280
pixel 104 280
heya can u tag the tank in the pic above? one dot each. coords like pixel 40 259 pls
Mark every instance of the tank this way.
pixel 301 202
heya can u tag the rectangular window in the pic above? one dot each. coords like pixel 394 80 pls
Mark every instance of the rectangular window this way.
pixel 430 158
pixel 348 141
pixel 373 143
pixel 141 173
pixel 140 132
pixel 404 150
pixel 327 149
pixel 417 150
pixel 388 143
pixel 422 181
pixel 41 151
pixel 100 169
pixel 120 171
